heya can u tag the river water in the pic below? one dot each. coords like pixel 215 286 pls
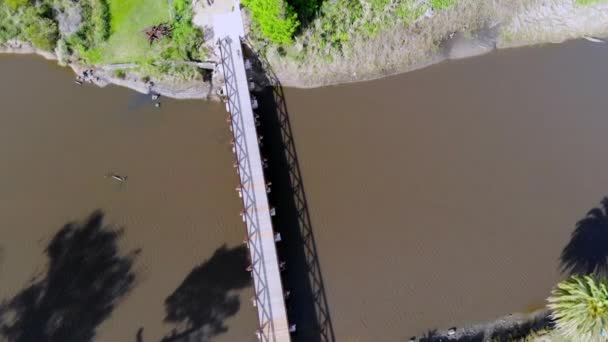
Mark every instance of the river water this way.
pixel 437 198
pixel 58 142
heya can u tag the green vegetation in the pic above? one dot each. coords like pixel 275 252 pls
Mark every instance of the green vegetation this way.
pixel 443 4
pixel 116 35
pixel 590 2
pixel 580 308
pixel 275 19
pixel 14 4
pixel 129 18
pixel 95 29
pixel 111 31
pixel 328 25
pixel 331 31
pixel 23 20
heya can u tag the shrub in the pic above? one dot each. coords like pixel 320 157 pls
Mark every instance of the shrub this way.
pixel 62 51
pixel 38 27
pixel 580 308
pixel 443 4
pixel 94 30
pixel 409 12
pixel 100 17
pixel 14 4
pixel 589 2
pixel 120 74
pixel 8 27
pixel 275 19
pixel 187 39
pixel 337 23
pixel 43 34
pixel 306 9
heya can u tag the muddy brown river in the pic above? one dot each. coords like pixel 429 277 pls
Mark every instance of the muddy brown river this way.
pixel 437 198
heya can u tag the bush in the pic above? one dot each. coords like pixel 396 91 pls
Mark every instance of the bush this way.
pixel 100 17
pixel 589 2
pixel 187 39
pixel 38 27
pixel 95 30
pixel 14 4
pixel 8 27
pixel 275 19
pixel 306 9
pixel 42 33
pixel 120 74
pixel 62 51
pixel 443 4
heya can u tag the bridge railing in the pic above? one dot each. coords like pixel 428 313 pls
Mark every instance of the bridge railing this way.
pixel 266 328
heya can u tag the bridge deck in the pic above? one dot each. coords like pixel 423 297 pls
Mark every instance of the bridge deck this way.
pixel 269 296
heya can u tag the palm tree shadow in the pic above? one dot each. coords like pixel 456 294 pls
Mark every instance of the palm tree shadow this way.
pixel 587 250
pixel 86 278
pixel 208 296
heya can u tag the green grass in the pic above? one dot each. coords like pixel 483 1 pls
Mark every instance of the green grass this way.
pixel 128 19
pixel 409 12
pixel 590 2
pixel 443 4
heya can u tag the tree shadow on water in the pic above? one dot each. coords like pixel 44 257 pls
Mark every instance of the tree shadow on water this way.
pixel 587 250
pixel 86 278
pixel 207 297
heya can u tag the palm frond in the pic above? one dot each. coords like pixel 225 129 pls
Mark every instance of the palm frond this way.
pixel 579 308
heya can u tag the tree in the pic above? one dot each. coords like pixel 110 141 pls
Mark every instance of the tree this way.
pixel 43 33
pixel 579 308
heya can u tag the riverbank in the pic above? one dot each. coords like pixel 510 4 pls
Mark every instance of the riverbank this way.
pixel 103 76
pixel 468 29
pixel 513 327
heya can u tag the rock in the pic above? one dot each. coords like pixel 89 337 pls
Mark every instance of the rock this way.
pixel 452 331
pixel 157 105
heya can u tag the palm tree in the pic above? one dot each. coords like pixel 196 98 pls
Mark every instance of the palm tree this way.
pixel 587 251
pixel 579 308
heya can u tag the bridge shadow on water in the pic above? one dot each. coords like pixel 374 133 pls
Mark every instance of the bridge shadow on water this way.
pixel 86 278
pixel 307 305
